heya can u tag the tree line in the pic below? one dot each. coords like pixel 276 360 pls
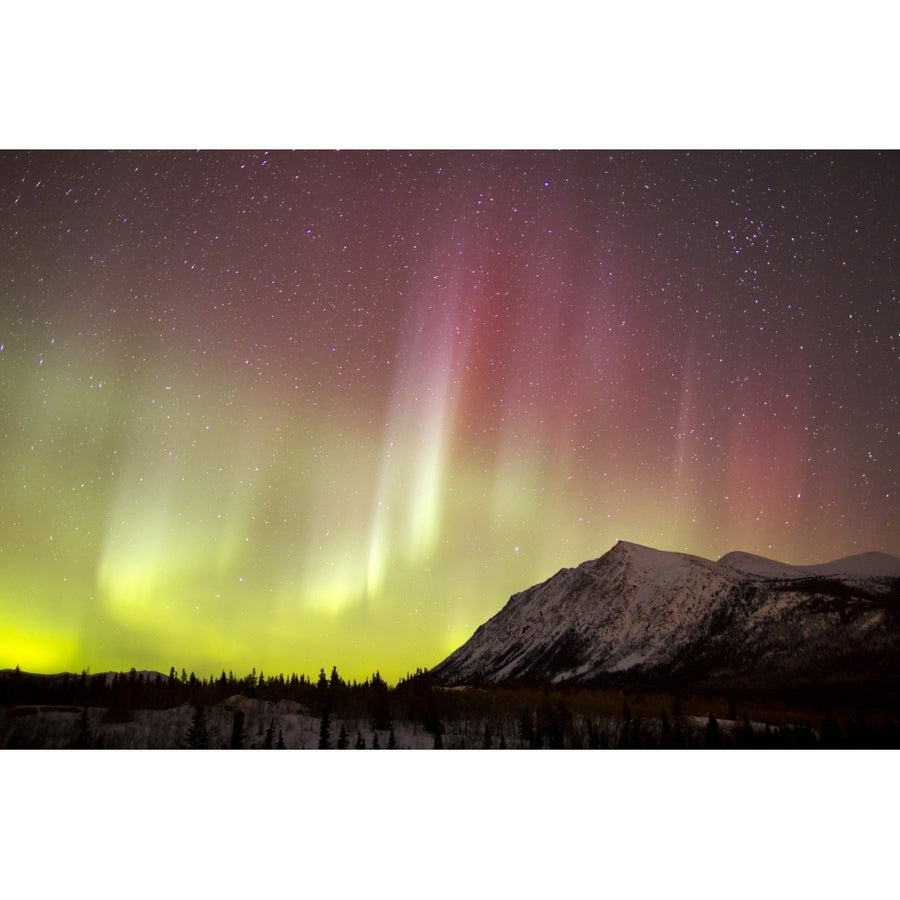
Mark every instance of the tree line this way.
pixel 482 717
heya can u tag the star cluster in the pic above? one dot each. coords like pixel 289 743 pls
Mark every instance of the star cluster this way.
pixel 289 410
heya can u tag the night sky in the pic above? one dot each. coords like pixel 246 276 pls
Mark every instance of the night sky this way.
pixel 295 410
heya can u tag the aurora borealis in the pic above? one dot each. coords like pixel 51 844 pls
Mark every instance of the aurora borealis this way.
pixel 291 410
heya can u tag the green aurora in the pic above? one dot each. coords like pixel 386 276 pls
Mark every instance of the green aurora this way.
pixel 293 410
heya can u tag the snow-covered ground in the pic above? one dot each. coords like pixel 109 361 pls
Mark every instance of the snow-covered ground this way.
pixel 57 727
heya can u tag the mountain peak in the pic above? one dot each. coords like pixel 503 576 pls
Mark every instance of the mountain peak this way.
pixel 632 547
pixel 662 614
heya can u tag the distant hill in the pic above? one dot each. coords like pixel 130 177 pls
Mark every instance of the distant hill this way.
pixel 646 617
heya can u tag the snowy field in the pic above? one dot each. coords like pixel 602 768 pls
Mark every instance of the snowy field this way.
pixel 268 725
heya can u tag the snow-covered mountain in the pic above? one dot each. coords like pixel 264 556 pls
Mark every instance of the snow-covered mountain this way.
pixel 639 614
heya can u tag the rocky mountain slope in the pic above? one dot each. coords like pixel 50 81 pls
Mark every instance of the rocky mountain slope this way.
pixel 639 615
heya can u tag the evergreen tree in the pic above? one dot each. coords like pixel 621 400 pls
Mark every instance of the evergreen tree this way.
pixel 626 733
pixel 392 741
pixel 280 744
pixel 342 742
pixel 375 744
pixel 325 731
pixel 502 744
pixel 745 739
pixel 337 690
pixel 198 736
pixel 712 733
pixel 83 741
pixel 554 720
pixel 665 737
pixel 379 703
pixel 322 700
pixel 439 735
pixel 360 741
pixel 487 741
pixel 238 735
pixel 526 728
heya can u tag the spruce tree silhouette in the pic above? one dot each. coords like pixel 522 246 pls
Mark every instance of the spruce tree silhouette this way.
pixel 712 733
pixel 325 731
pixel 83 740
pixel 238 734
pixel 198 736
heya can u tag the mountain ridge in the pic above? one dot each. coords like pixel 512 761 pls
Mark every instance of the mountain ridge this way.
pixel 669 617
